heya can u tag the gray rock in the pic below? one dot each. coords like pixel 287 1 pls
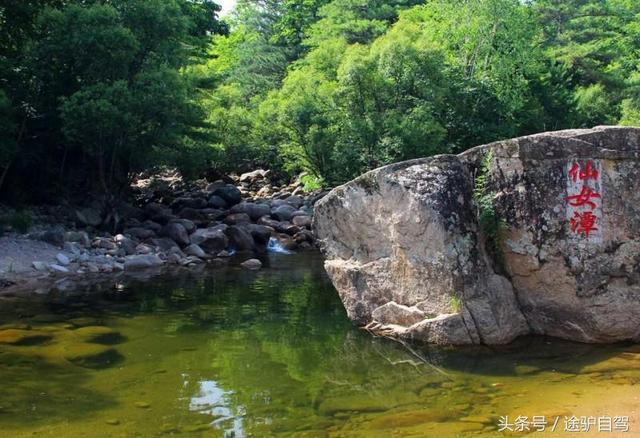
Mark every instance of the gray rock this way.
pixel 39 266
pixel 230 193
pixel 104 243
pixel 217 202
pixel 254 210
pixel 211 240
pixel 268 222
pixel 283 212
pixel 240 238
pixel 295 201
pixel 176 232
pixel 58 269
pixel 136 262
pixel 237 219
pixel 141 233
pixel 127 245
pixel 260 233
pixel 409 233
pixel 63 259
pixel 144 249
pixel 256 175
pixel 251 264
pixel 164 243
pixel 195 250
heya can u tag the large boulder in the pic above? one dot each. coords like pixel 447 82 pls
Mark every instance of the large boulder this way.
pixel 176 232
pixel 230 193
pixel 240 238
pixel 549 244
pixel 212 240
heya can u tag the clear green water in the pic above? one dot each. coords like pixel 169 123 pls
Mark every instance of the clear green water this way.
pixel 271 353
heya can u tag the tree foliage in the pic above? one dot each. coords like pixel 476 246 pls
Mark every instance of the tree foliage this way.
pixel 97 90
pixel 94 90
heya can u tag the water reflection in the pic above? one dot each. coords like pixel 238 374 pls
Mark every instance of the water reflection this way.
pixel 239 353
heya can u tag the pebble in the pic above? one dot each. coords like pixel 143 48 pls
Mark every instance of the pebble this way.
pixel 63 259
pixel 39 266
pixel 58 268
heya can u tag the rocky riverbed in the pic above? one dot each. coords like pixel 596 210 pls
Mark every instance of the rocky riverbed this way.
pixel 172 223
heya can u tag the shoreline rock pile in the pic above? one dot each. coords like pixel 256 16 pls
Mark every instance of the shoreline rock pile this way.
pixel 175 223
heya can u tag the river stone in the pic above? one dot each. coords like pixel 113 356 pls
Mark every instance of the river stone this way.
pixel 240 238
pixel 256 175
pixel 409 233
pixel 195 250
pixel 252 264
pixel 39 266
pixel 230 193
pixel 211 240
pixel 63 259
pixel 58 268
pixel 254 210
pixel 140 233
pixel 142 261
pixel 237 219
pixel 283 212
pixel 176 232
pixel 302 221
pixel 126 244
pixel 260 233
pixel 216 201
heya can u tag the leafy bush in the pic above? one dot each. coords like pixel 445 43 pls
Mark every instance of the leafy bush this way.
pixel 491 225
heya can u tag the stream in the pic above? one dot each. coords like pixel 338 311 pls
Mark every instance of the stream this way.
pixel 234 353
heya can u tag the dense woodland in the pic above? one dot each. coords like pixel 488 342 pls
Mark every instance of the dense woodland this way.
pixel 94 91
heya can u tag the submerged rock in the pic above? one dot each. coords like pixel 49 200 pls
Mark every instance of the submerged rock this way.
pixel 562 258
pixel 252 264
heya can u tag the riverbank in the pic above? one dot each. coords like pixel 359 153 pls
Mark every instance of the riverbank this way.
pixel 170 224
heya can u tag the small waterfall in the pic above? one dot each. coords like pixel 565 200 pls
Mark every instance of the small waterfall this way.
pixel 276 247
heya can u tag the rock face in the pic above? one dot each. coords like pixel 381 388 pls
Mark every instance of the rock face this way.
pixel 410 258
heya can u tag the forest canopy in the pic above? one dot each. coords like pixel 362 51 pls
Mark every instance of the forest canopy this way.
pixel 92 92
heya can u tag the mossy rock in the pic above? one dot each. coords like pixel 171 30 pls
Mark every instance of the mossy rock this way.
pixel 23 337
pixel 91 355
pixel 98 335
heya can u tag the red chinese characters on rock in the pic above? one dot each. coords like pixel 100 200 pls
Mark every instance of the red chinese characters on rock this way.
pixel 583 223
pixel 583 205
pixel 584 198
pixel 588 173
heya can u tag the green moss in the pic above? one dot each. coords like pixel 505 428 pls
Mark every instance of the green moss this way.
pixel 491 225
pixel 455 303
